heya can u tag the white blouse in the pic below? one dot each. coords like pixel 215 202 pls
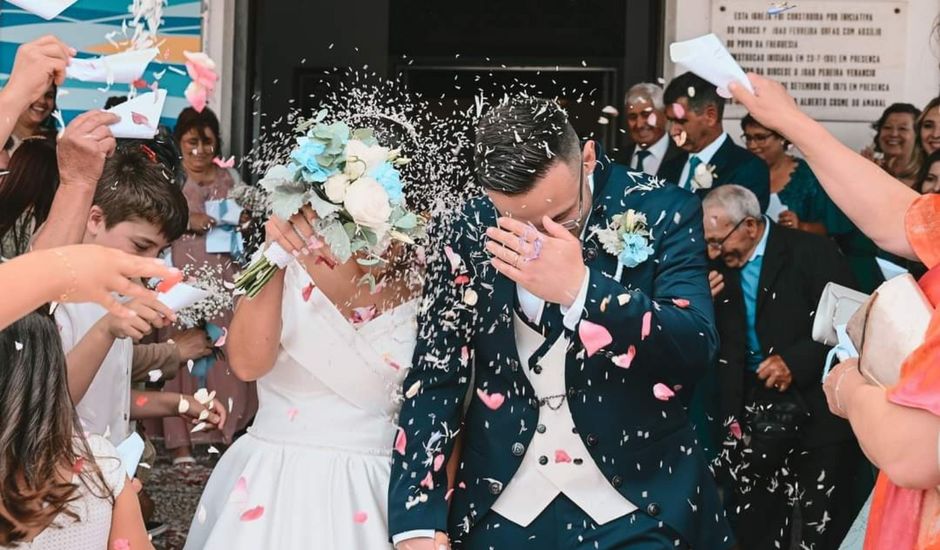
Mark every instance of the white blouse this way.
pixel 93 507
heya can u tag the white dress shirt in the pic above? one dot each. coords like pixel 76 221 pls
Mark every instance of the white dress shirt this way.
pixel 653 161
pixel 705 155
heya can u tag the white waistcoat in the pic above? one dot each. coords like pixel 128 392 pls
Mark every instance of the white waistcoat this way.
pixel 556 461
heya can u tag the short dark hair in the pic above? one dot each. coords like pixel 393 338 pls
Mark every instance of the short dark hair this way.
pixel 705 93
pixel 135 185
pixel 749 120
pixel 519 140
pixel 191 119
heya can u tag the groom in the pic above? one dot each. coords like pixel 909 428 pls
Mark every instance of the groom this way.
pixel 555 345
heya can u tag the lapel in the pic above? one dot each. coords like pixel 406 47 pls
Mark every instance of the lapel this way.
pixel 721 160
pixel 776 255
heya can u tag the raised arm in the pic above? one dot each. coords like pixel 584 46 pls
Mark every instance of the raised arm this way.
pixel 869 196
pixel 430 418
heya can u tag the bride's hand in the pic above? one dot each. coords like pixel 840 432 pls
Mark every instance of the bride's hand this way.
pixel 770 103
pixel 296 234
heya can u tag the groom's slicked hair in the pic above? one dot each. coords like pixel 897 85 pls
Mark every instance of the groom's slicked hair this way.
pixel 697 91
pixel 519 140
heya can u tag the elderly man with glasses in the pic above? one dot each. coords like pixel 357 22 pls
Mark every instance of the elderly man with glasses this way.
pixel 783 447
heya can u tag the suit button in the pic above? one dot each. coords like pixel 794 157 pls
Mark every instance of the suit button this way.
pixel 540 428
pixel 537 369
pixel 590 254
pixel 518 449
pixel 616 481
pixel 579 461
pixel 496 488
pixel 543 460
pixel 591 440
pixel 572 392
pixel 653 509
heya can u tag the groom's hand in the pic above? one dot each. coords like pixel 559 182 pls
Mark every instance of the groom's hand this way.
pixel 549 266
pixel 439 542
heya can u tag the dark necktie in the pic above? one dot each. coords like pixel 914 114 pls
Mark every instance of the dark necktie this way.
pixel 641 157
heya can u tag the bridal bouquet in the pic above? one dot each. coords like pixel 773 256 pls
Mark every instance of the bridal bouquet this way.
pixel 354 185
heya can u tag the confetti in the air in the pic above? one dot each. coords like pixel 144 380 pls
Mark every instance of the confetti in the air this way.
pixel 492 401
pixel 593 336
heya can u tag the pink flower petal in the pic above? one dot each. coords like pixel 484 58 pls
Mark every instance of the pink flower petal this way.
pixel 166 284
pixel 140 84
pixel 462 279
pixel 462 485
pixel 448 494
pixel 121 544
pixel 464 355
pixel 593 337
pixel 306 292
pixel 79 465
pixel 561 456
pixel 453 258
pixel 680 302
pixel 196 96
pixel 735 430
pixel 253 513
pixel 624 361
pixel 360 517
pixel 401 441
pixel 140 119
pixel 221 341
pixel 241 486
pixel 224 163
pixel 647 323
pixel 651 119
pixel 678 110
pixel 141 400
pixel 428 482
pixel 438 462
pixel 362 315
pixel 492 401
pixel 292 413
pixel 663 392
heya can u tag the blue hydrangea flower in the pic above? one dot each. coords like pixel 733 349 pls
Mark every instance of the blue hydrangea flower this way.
pixel 636 250
pixel 390 179
pixel 305 155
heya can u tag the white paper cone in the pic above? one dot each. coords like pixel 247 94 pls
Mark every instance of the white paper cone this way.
pixel 47 9
pixel 139 116
pixel 707 57
pixel 181 296
pixel 129 451
pixel 122 68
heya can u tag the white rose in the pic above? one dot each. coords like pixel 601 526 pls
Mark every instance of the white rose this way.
pixel 360 158
pixel 335 188
pixel 368 204
pixel 703 177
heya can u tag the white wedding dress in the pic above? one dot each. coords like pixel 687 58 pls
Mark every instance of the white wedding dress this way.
pixel 313 470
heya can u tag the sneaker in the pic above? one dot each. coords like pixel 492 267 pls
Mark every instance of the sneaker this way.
pixel 156 528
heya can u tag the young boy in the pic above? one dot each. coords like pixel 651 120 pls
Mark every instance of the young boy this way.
pixel 139 209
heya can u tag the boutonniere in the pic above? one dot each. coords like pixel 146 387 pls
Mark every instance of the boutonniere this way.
pixel 627 237
pixel 704 177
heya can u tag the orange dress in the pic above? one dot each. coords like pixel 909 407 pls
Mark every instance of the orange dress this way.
pixel 906 519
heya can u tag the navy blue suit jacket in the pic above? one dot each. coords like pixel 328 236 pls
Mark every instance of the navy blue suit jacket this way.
pixel 733 164
pixel 644 446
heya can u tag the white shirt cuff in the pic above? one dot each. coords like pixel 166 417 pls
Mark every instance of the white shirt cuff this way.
pixel 416 534
pixel 572 315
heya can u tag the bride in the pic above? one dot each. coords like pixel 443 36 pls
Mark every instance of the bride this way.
pixel 329 355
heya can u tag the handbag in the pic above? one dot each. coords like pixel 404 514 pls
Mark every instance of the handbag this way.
pixel 889 327
pixel 775 415
pixel 836 306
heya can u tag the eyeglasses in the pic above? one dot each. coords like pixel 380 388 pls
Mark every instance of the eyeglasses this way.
pixel 718 246
pixel 575 223
pixel 756 138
